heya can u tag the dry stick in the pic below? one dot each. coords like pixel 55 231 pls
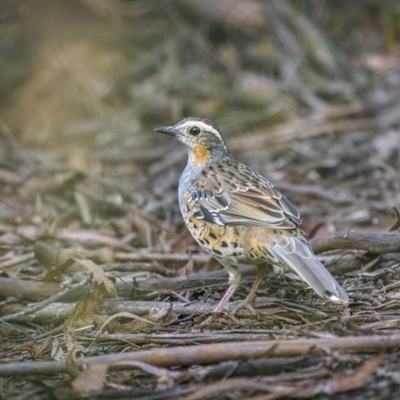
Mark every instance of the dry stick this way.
pixel 196 258
pixel 122 314
pixel 39 306
pixel 31 290
pixel 214 353
pixel 58 311
pixel 232 384
pixel 51 257
pixel 186 338
pixel 138 267
pixel 16 260
pixel 377 242
pixel 35 291
pixel 373 242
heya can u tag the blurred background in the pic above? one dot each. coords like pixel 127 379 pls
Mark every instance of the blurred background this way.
pixel 306 92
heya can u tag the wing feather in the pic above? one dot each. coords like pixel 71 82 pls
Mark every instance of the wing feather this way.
pixel 245 199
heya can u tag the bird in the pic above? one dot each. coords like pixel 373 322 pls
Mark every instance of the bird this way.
pixel 238 216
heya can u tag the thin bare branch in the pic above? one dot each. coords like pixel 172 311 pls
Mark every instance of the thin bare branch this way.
pixel 213 353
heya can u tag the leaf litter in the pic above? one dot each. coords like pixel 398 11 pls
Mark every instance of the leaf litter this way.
pixel 89 192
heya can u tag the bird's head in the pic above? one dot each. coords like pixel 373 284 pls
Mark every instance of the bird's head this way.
pixel 201 137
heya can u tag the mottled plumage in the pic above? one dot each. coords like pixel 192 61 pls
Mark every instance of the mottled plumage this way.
pixel 237 216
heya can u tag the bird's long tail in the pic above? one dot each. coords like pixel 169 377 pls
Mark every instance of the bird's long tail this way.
pixel 299 256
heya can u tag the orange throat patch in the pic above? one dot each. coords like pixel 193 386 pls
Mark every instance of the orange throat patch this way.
pixel 200 154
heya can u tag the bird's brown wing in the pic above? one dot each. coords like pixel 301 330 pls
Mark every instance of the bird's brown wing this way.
pixel 235 195
pixel 241 197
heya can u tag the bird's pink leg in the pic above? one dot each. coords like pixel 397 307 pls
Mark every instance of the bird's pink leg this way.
pixel 228 294
pixel 250 297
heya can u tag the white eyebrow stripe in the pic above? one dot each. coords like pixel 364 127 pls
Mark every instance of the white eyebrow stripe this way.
pixel 203 126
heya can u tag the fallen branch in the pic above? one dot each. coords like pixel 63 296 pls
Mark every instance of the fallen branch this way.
pixel 33 290
pixel 373 242
pixel 59 311
pixel 36 291
pixel 196 258
pixel 214 353
pixel 83 281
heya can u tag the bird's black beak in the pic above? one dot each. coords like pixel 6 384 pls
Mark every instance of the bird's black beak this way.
pixel 168 130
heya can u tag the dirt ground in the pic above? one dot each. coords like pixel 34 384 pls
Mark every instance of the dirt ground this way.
pixel 103 291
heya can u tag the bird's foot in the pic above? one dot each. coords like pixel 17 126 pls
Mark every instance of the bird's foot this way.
pixel 247 306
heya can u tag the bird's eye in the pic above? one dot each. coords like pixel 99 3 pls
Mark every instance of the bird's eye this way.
pixel 195 130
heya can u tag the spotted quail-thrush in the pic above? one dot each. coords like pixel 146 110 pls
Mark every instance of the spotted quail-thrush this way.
pixel 238 217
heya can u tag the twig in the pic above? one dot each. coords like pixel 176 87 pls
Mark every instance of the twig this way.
pixel 137 266
pixel 56 311
pixel 197 258
pixel 265 367
pixel 31 290
pixel 34 291
pixel 188 338
pixel 213 353
pixel 373 242
pixel 17 260
pixel 85 280
pixel 231 384
pixel 122 314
